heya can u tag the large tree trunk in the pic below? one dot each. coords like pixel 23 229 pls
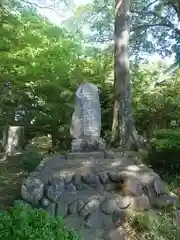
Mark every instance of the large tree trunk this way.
pixel 128 134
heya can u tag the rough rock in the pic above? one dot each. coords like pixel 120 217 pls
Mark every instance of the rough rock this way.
pixel 123 202
pixel 32 190
pixel 89 194
pixel 159 187
pixel 90 179
pixel 99 187
pixel 83 186
pixel 149 191
pixel 98 220
pixel 109 206
pixel 177 218
pixel 119 216
pixel 110 186
pixel 70 188
pixel 56 177
pixel 77 179
pixel 91 206
pixel 51 209
pixel 68 197
pixel 74 221
pixel 92 234
pixel 165 200
pixel 65 176
pixel 75 207
pixel 140 203
pixel 131 187
pixel 55 180
pixel 53 192
pixel 62 209
pixel 114 234
pixel 115 176
pixel 103 176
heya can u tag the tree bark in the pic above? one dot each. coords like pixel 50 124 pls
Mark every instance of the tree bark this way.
pixel 54 137
pixel 128 134
pixel 116 108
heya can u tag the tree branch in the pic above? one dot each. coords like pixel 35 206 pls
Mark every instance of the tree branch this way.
pixel 50 7
pixel 164 21
pixel 150 4
pixel 176 8
pixel 155 25
pixel 118 5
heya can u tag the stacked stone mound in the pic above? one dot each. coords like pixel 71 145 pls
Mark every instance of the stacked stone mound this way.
pixel 93 191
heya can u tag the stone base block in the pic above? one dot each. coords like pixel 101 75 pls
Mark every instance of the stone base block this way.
pixel 87 145
pixel 85 155
pixel 93 194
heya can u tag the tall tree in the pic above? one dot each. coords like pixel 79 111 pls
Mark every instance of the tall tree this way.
pixel 128 134
pixel 153 28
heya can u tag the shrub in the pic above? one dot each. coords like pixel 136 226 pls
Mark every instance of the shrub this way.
pixel 165 149
pixel 23 222
pixel 30 159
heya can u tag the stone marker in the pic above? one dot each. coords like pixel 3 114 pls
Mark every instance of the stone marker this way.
pixel 13 139
pixel 86 120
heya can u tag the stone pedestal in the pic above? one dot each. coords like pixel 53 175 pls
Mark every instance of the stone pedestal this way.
pixel 83 145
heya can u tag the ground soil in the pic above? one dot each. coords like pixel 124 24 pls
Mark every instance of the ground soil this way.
pixel 11 175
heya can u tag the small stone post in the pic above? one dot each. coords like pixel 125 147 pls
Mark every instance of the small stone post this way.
pixel 13 139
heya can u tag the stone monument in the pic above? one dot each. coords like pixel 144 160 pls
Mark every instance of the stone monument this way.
pixel 86 120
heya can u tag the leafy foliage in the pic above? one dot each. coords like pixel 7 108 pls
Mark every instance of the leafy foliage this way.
pixel 165 150
pixel 41 66
pixel 30 160
pixel 155 105
pixel 155 226
pixel 151 23
pixel 22 222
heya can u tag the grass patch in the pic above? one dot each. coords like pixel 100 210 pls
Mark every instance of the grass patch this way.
pixel 22 222
pixel 155 226
pixel 11 174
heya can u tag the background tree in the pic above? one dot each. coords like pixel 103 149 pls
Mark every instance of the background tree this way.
pixel 128 134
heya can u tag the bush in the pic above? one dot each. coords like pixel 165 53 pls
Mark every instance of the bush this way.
pixel 30 159
pixel 24 223
pixel 165 149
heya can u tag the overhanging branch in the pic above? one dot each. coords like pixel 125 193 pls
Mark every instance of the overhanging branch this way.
pixel 155 25
pixel 164 21
pixel 50 7
pixel 150 4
